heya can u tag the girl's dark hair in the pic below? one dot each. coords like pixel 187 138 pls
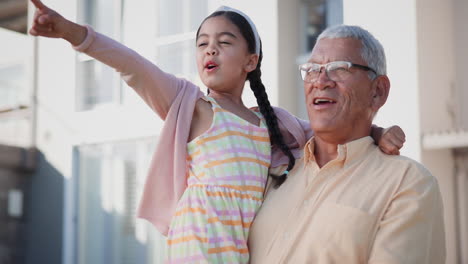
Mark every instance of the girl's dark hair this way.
pixel 258 89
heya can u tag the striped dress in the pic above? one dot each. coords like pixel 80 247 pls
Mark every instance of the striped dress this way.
pixel 228 168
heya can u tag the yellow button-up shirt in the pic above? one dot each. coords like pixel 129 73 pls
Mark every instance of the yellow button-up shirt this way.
pixel 362 207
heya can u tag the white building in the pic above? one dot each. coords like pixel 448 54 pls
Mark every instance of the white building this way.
pixel 97 137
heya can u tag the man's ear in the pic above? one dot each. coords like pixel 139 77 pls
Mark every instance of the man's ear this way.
pixel 252 62
pixel 381 88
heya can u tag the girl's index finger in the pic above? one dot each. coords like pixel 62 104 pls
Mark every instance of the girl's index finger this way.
pixel 38 4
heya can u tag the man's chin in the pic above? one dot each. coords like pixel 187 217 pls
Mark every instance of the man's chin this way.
pixel 323 127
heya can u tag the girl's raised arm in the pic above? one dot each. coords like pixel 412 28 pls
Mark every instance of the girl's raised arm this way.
pixel 157 88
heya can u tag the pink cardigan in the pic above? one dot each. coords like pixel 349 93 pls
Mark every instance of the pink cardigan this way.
pixel 173 99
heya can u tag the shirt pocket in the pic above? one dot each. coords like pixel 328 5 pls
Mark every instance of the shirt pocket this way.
pixel 345 233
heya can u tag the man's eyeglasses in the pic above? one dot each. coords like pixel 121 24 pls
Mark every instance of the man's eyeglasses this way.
pixel 336 71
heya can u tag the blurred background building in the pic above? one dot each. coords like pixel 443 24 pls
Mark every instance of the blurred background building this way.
pixel 75 141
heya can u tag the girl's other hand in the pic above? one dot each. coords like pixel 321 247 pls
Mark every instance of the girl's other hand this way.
pixel 391 140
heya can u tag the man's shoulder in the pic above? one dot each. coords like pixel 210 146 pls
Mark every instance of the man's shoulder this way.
pixel 401 160
pixel 411 169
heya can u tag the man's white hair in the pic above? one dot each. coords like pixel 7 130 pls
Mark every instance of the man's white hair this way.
pixel 372 51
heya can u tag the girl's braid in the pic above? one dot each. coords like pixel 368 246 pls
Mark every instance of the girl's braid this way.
pixel 271 119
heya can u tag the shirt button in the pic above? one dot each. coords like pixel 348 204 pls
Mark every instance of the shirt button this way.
pixel 286 236
pixel 306 202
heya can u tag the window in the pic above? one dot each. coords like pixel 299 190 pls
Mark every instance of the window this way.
pixel 177 23
pixel 180 16
pixel 316 15
pixel 170 25
pixel 98 84
pixel 110 180
pixel 178 58
pixel 14 69
pixel 15 92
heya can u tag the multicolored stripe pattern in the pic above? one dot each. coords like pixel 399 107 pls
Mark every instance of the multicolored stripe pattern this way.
pixel 228 168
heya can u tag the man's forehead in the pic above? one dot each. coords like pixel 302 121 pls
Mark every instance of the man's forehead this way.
pixel 336 49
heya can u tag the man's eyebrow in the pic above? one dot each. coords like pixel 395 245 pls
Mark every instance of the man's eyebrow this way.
pixel 219 34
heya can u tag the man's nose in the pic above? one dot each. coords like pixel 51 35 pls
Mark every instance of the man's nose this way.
pixel 323 81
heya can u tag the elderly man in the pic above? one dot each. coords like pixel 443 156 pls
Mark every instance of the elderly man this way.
pixel 345 201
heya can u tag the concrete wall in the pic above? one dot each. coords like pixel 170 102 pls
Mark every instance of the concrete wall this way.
pixel 288 49
pixel 436 64
pixel 460 11
pixel 441 164
pixel 438 100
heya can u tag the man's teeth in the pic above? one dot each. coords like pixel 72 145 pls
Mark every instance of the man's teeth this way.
pixel 322 101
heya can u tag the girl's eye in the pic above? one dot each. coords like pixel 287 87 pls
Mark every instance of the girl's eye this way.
pixel 224 43
pixel 201 44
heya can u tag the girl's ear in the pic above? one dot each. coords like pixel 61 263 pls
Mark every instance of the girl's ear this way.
pixel 381 88
pixel 252 62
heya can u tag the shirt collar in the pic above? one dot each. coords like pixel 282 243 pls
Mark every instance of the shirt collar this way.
pixel 346 152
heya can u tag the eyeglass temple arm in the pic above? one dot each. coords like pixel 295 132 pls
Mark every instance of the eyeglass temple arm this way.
pixel 364 68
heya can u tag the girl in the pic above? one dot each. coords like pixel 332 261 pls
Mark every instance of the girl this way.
pixel 209 171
